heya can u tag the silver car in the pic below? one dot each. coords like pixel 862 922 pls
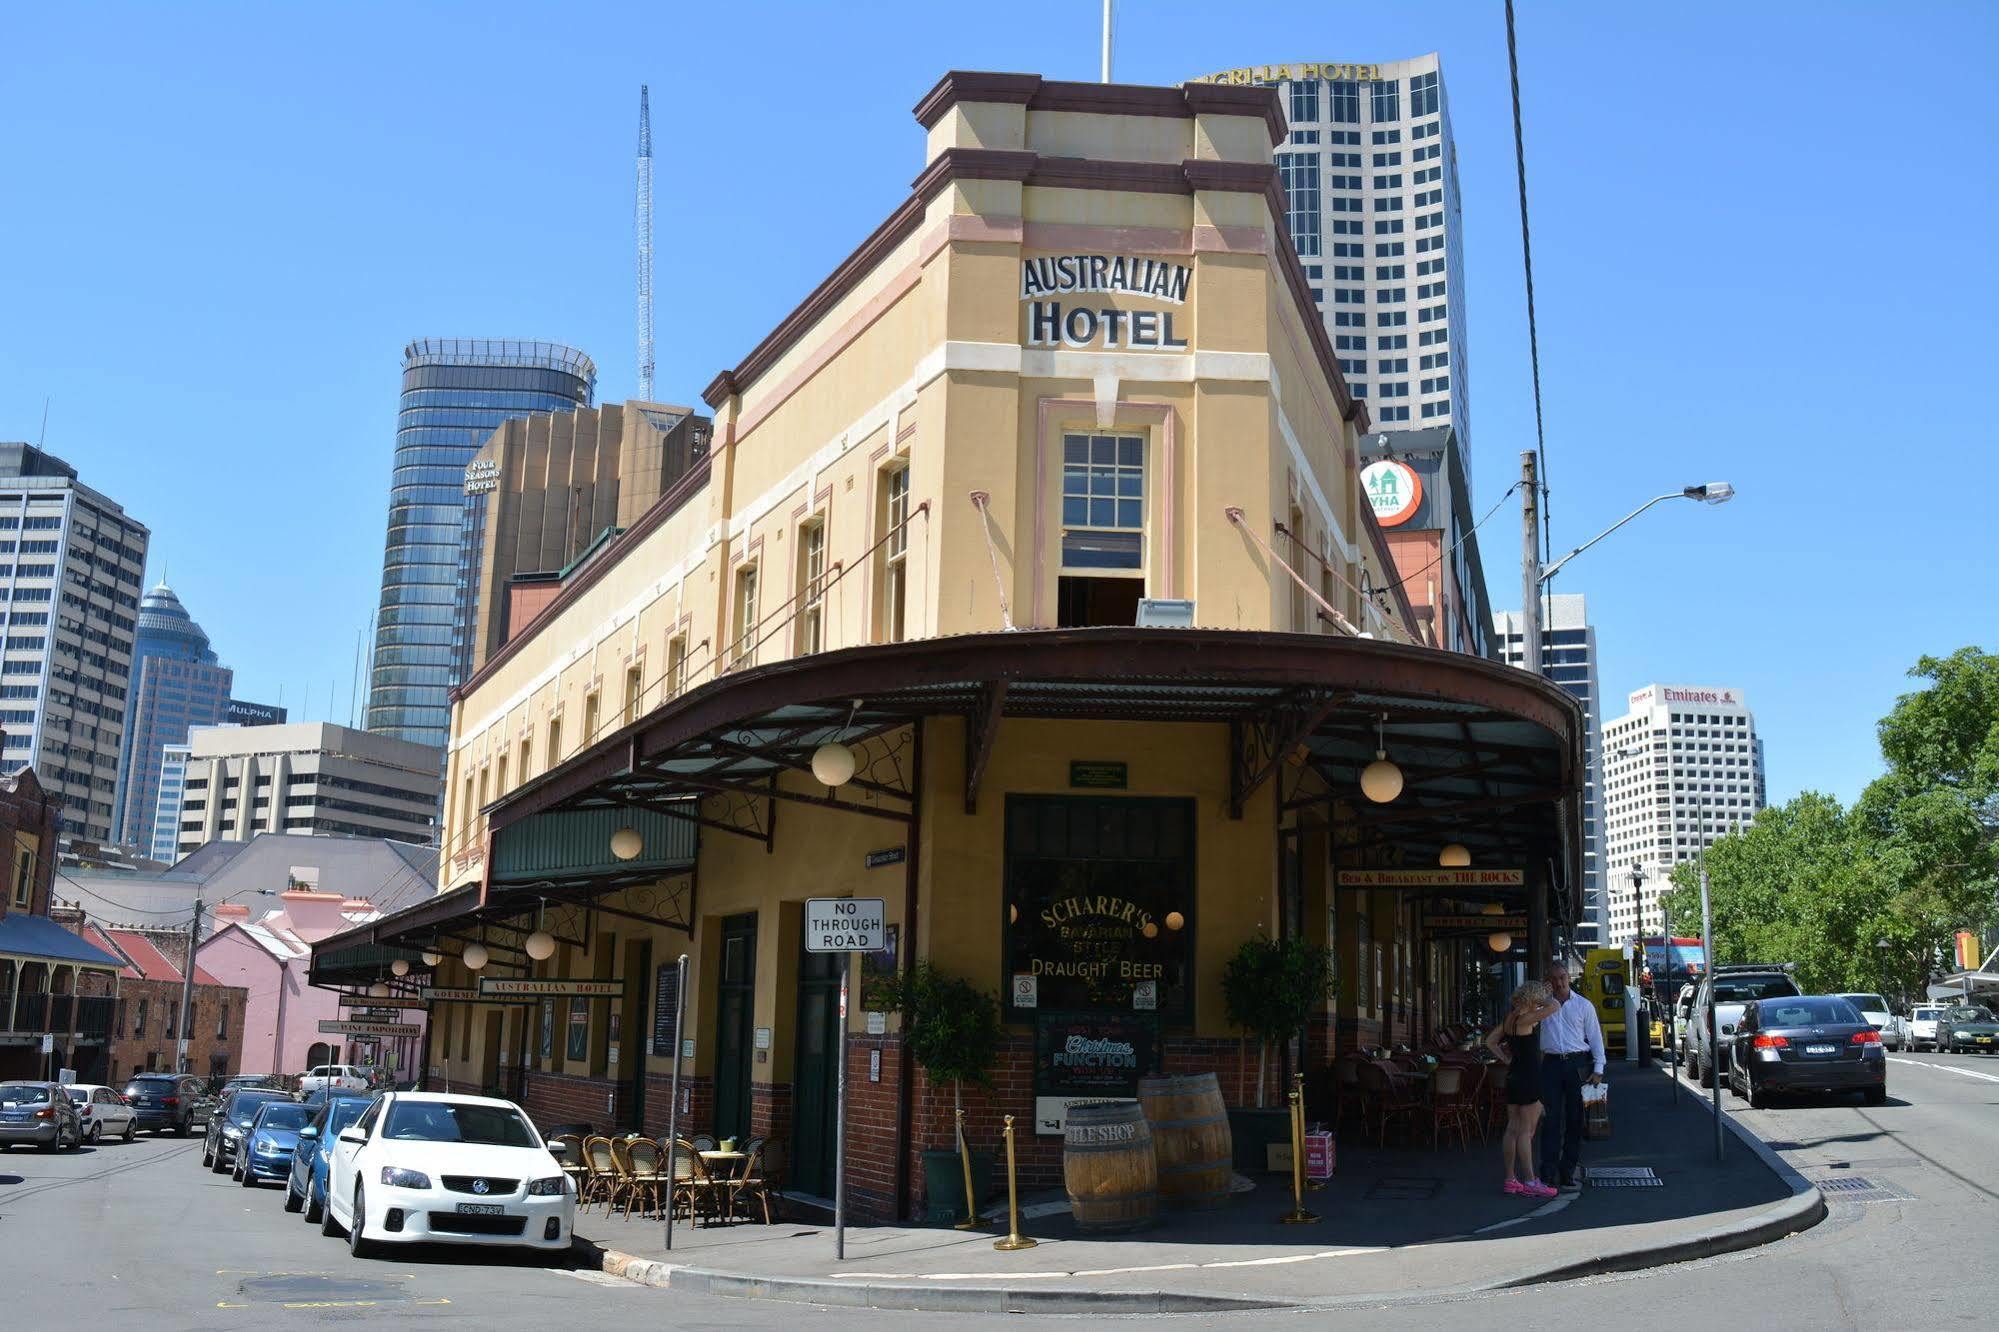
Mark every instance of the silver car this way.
pixel 1875 1009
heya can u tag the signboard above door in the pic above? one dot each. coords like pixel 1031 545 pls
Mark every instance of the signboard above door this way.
pixel 491 987
pixel 1432 878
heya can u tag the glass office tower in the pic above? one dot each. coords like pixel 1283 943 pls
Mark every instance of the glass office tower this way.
pixel 176 684
pixel 455 392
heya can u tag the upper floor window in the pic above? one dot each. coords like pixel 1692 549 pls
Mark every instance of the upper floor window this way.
pixel 1299 174
pixel 1344 97
pixel 634 694
pixel 745 652
pixel 1423 94
pixel 676 665
pixel 1386 101
pixel 811 585
pixel 1103 501
pixel 1305 100
pixel 895 563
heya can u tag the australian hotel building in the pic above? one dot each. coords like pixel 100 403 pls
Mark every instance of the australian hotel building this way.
pixel 1018 589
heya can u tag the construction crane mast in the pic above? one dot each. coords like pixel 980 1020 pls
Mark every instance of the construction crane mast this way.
pixel 645 245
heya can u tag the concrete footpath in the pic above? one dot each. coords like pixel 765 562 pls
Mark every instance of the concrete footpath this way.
pixel 1396 1224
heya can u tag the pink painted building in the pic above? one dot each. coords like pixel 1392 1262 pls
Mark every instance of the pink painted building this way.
pixel 269 957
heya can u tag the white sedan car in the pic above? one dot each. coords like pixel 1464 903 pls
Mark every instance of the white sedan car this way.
pixel 105 1113
pixel 334 1077
pixel 424 1167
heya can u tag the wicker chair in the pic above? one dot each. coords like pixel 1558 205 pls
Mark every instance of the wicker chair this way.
pixel 1454 1102
pixel 749 1186
pixel 689 1184
pixel 568 1151
pixel 638 1162
pixel 1388 1099
pixel 600 1179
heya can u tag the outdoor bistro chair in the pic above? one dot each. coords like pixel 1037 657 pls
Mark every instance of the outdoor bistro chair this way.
pixel 569 1152
pixel 1346 1087
pixel 638 1161
pixel 1454 1102
pixel 600 1180
pixel 748 1186
pixel 690 1185
pixel 1389 1099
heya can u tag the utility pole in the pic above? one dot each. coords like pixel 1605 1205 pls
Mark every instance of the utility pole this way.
pixel 187 987
pixel 1530 561
pixel 1707 946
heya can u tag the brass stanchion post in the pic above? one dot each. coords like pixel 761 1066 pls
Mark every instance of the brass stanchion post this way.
pixel 971 1221
pixel 1014 1239
pixel 1297 1216
pixel 1299 1080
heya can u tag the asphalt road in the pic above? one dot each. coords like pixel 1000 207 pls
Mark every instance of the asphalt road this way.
pixel 141 1235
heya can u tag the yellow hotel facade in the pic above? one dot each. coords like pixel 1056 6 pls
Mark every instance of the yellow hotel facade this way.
pixel 1028 588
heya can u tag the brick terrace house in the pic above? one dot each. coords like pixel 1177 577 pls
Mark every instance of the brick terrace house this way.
pixel 145 1032
pixel 52 984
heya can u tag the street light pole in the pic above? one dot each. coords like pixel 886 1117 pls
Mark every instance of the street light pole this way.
pixel 1707 948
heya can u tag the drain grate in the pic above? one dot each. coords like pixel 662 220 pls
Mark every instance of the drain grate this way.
pixel 1394 1189
pixel 1622 1177
pixel 1860 1188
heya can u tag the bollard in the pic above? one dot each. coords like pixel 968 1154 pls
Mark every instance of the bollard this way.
pixel 1299 1080
pixel 971 1221
pixel 1014 1239
pixel 1297 1216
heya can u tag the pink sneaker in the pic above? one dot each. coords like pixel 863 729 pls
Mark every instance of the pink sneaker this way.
pixel 1534 1188
pixel 1513 1186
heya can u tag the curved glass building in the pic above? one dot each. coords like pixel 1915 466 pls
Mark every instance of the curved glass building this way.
pixel 455 392
pixel 176 684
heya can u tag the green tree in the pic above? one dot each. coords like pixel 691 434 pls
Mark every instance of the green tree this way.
pixel 1869 897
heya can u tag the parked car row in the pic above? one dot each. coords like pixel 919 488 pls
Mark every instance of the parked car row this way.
pixel 389 1167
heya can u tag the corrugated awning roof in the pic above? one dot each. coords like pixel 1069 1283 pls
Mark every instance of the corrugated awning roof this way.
pixel 37 938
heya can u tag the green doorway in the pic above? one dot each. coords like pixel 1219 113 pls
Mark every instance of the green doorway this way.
pixel 816 1072
pixel 735 1025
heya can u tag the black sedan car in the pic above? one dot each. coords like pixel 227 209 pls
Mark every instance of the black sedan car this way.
pixel 230 1122
pixel 39 1113
pixel 165 1102
pixel 1807 1043
pixel 1967 1027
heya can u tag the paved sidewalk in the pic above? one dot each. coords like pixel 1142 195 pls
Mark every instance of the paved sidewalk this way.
pixel 1396 1224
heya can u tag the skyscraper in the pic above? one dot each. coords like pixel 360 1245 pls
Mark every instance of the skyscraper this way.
pixel 1370 175
pixel 455 392
pixel 176 683
pixel 1684 768
pixel 74 564
pixel 1568 657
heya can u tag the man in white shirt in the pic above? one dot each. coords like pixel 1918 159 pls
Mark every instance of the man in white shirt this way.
pixel 1571 1051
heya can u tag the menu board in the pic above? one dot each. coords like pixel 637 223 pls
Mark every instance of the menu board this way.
pixel 665 1009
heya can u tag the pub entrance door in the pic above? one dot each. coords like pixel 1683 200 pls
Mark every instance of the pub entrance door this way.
pixel 816 1072
pixel 735 1023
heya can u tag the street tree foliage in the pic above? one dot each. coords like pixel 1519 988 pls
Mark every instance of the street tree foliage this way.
pixel 1868 898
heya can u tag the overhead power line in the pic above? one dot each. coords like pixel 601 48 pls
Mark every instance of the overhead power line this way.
pixel 1527 260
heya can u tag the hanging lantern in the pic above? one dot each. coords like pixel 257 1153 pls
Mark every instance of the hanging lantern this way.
pixel 833 765
pixel 1499 942
pixel 379 990
pixel 1454 856
pixel 431 959
pixel 626 843
pixel 540 945
pixel 475 956
pixel 1150 930
pixel 400 967
pixel 1174 920
pixel 1381 780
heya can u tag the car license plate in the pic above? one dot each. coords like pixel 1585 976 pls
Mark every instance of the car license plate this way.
pixel 1821 1049
pixel 482 1209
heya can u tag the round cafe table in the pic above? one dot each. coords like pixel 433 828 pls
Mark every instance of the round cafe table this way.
pixel 724 1166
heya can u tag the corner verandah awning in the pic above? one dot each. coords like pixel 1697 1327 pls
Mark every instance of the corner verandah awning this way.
pixel 1492 756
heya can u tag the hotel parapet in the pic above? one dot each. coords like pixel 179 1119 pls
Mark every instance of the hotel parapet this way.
pixel 1022 588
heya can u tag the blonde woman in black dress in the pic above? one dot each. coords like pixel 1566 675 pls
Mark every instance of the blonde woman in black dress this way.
pixel 1516 1043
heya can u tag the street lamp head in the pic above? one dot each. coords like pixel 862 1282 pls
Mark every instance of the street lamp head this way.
pixel 1714 492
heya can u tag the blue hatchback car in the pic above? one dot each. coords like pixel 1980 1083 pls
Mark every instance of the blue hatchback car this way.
pixel 268 1144
pixel 305 1186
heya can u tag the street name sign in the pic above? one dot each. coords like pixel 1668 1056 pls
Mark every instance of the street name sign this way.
pixel 846 924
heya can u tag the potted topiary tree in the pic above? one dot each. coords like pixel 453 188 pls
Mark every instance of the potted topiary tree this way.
pixel 1271 988
pixel 951 1028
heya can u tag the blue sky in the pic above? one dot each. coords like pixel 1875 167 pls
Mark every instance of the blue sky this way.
pixel 1763 244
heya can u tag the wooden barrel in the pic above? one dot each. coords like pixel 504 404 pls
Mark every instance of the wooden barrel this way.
pixel 1108 1167
pixel 1190 1137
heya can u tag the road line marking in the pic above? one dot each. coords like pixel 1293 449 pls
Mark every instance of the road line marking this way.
pixel 1944 1068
